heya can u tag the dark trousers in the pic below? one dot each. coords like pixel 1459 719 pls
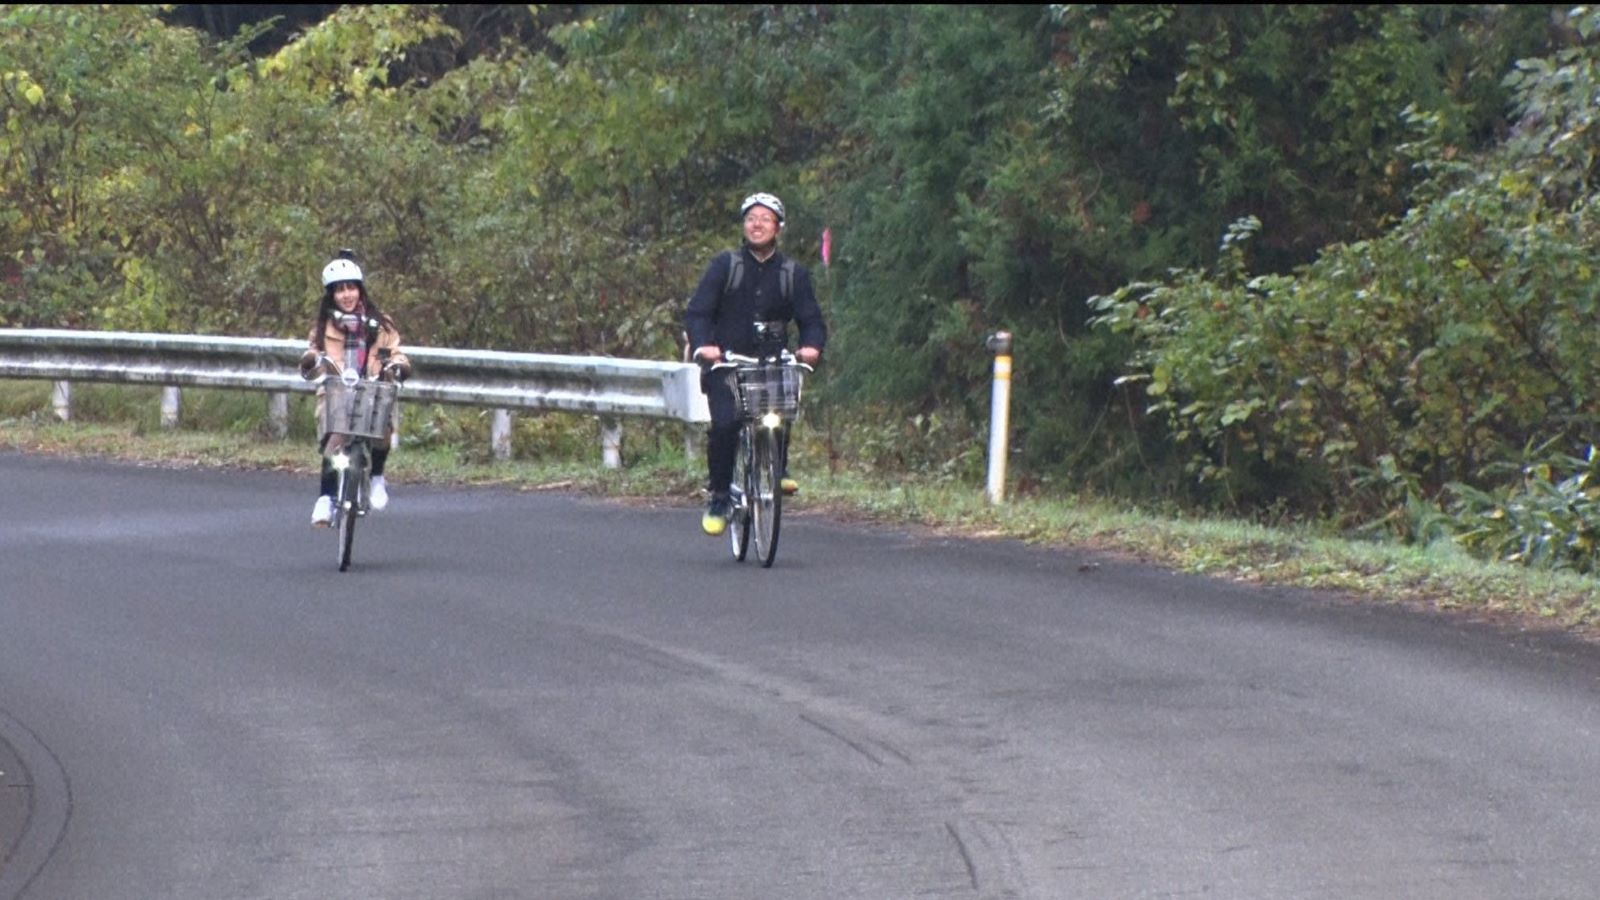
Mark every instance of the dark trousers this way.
pixel 330 478
pixel 722 438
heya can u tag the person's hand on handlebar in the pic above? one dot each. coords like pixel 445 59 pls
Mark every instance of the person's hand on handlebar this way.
pixel 808 355
pixel 311 364
pixel 708 354
pixel 396 372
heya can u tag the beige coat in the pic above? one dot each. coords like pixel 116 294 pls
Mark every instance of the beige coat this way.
pixel 333 348
pixel 333 343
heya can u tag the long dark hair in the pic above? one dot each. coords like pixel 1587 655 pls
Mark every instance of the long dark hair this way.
pixel 328 309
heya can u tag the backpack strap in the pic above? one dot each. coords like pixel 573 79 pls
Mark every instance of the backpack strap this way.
pixel 736 275
pixel 735 272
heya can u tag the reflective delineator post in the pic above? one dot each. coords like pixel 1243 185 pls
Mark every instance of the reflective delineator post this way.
pixel 999 415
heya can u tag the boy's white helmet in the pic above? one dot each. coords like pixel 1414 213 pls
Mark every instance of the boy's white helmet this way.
pixel 340 270
pixel 767 200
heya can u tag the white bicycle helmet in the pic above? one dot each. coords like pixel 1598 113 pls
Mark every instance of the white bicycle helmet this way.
pixel 767 200
pixel 340 270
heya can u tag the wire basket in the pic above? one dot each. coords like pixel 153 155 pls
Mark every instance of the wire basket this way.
pixel 767 389
pixel 365 409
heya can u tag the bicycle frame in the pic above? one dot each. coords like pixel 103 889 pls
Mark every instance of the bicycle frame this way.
pixel 353 464
pixel 356 412
pixel 767 392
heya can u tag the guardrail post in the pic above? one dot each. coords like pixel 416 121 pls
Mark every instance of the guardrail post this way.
pixel 61 400
pixel 694 444
pixel 999 415
pixel 611 442
pixel 500 434
pixel 171 405
pixel 278 414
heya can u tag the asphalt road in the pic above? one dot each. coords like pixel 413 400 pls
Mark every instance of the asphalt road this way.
pixel 523 695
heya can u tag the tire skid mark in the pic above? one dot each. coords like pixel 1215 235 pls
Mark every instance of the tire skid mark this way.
pixel 991 859
pixel 652 655
pixel 993 866
pixel 863 746
pixel 832 717
pixel 48 811
pixel 965 853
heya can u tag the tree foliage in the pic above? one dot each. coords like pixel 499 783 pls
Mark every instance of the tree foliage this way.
pixel 1398 305
pixel 1416 363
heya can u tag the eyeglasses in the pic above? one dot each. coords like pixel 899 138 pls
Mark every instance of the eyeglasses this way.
pixel 760 218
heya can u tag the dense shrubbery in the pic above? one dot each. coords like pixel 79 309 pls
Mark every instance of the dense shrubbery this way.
pixel 1406 371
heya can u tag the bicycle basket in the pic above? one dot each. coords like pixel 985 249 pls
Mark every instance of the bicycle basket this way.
pixel 365 409
pixel 768 389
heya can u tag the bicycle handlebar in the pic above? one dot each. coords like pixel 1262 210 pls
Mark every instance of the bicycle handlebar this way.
pixel 324 369
pixel 734 360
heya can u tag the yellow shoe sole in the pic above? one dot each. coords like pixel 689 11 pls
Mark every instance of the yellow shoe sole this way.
pixel 713 525
pixel 789 486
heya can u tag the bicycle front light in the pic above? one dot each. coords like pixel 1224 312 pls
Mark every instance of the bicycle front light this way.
pixel 340 461
pixel 771 420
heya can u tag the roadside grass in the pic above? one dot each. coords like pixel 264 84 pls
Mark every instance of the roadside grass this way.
pixel 449 446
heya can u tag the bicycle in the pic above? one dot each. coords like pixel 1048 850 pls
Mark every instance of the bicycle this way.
pixel 355 412
pixel 767 392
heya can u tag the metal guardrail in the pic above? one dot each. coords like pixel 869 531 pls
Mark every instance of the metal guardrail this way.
pixel 503 381
pixel 595 384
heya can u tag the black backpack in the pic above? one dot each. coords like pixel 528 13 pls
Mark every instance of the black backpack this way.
pixel 736 275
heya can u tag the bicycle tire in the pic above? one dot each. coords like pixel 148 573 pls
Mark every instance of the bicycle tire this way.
pixel 739 514
pixel 350 501
pixel 347 537
pixel 767 497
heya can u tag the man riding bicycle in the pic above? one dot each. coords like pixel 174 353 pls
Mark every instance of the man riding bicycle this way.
pixel 755 283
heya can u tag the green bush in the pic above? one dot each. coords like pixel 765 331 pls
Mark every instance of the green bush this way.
pixel 1548 518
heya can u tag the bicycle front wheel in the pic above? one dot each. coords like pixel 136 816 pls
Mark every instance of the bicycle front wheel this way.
pixel 766 500
pixel 351 499
pixel 740 493
pixel 347 537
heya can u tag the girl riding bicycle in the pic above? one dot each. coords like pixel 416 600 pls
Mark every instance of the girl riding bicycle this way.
pixel 349 322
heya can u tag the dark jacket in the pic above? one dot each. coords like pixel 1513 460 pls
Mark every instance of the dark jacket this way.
pixel 728 321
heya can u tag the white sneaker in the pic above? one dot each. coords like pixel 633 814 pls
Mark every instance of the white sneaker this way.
pixel 380 492
pixel 322 513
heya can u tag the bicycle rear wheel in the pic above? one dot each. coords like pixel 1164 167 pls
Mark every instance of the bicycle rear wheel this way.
pixel 766 498
pixel 740 493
